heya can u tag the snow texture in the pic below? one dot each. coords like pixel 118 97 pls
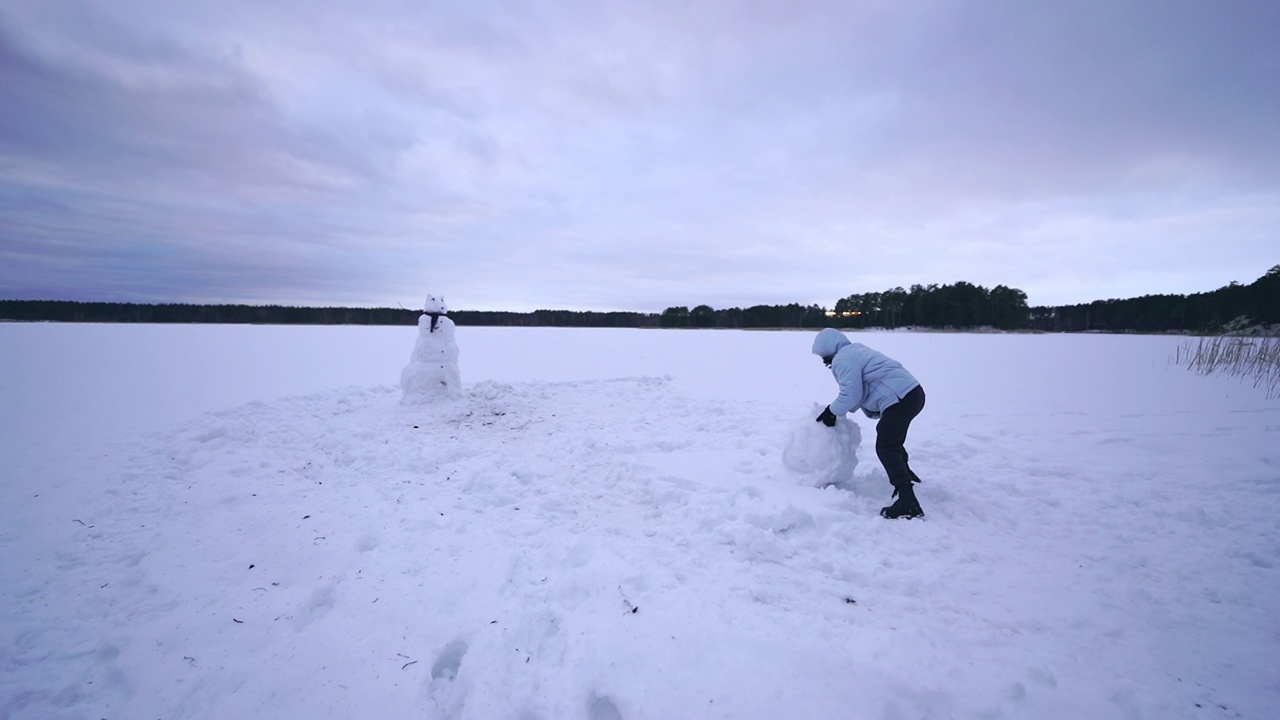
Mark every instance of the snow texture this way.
pixel 205 522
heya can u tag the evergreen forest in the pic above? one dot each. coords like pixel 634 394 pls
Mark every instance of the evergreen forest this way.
pixel 958 306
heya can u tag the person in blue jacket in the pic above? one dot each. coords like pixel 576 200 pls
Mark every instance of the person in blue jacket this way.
pixel 885 391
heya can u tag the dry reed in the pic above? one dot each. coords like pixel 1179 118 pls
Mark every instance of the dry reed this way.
pixel 1238 356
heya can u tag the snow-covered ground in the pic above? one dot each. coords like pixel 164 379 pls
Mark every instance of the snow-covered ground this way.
pixel 244 522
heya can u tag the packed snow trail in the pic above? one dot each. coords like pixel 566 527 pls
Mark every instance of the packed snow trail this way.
pixel 632 548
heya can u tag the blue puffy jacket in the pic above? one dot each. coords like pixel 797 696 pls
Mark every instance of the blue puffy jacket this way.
pixel 868 379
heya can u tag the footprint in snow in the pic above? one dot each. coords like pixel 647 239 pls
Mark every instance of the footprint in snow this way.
pixel 602 708
pixel 445 695
pixel 317 606
pixel 449 661
pixel 367 543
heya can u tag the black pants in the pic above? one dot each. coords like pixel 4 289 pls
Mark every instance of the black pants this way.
pixel 891 434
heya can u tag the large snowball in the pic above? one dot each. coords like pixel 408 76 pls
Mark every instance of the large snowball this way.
pixel 822 455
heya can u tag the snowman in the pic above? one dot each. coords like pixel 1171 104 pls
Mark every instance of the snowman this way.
pixel 432 373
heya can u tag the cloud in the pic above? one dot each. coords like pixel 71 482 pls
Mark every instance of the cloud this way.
pixel 633 155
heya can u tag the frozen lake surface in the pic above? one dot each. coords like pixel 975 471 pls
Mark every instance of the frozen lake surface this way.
pixel 244 521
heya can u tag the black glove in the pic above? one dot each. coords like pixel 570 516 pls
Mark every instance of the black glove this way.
pixel 827 417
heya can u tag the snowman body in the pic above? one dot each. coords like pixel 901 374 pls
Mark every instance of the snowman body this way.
pixel 432 374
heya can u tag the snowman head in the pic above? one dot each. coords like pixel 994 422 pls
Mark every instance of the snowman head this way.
pixel 434 306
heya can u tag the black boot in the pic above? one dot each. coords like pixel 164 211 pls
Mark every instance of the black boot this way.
pixel 906 505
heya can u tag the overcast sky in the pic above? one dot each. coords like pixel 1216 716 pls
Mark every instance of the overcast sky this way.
pixel 634 155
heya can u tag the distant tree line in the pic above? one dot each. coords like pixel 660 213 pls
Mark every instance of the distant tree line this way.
pixel 757 316
pixel 106 312
pixel 1207 312
pixel 964 305
pixel 961 306
pixel 553 318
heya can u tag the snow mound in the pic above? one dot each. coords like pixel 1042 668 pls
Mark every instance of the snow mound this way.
pixel 824 455
pixel 522 553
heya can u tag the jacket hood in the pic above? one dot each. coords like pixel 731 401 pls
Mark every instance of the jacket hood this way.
pixel 828 342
